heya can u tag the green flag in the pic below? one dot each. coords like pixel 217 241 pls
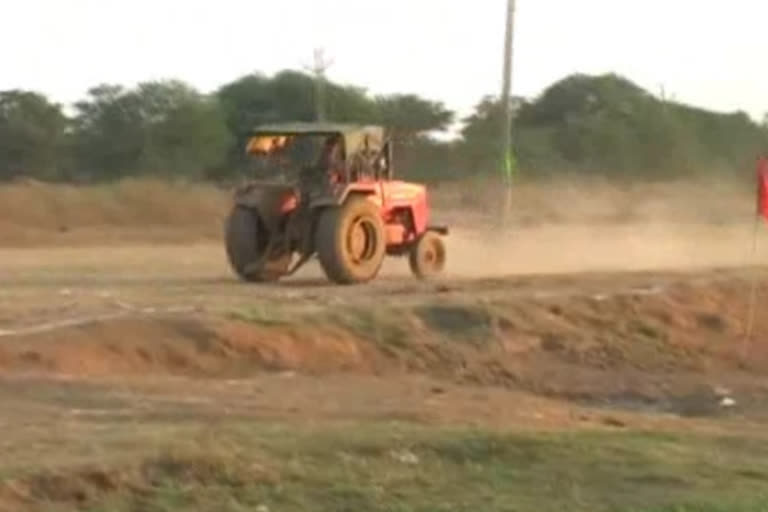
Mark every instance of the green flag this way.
pixel 510 165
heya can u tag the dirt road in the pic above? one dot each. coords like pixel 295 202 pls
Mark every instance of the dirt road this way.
pixel 58 293
pixel 55 284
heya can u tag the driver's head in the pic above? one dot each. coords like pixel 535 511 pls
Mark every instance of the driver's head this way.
pixel 332 152
pixel 332 142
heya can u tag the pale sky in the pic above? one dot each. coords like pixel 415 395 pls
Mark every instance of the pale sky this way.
pixel 704 52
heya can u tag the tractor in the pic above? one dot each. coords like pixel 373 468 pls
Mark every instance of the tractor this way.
pixel 327 190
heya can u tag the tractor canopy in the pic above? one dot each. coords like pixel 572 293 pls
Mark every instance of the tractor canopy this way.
pixel 357 138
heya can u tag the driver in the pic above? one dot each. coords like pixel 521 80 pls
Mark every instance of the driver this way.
pixel 332 158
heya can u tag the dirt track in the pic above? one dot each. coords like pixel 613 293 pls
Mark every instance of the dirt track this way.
pixel 47 285
pixel 120 296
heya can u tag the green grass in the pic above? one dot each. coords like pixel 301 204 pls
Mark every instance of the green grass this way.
pixel 388 328
pixel 361 467
pixel 263 315
pixel 467 323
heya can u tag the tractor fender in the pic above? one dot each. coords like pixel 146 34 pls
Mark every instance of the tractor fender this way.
pixel 339 195
pixel 440 230
pixel 271 201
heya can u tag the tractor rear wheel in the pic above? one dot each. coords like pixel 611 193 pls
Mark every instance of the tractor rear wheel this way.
pixel 350 241
pixel 428 256
pixel 245 244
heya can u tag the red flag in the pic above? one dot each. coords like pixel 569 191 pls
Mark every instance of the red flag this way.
pixel 762 188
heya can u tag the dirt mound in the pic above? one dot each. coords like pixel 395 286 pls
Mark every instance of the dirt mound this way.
pixel 181 346
pixel 635 343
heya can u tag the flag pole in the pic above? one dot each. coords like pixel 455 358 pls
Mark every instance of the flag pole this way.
pixel 752 304
pixel 762 213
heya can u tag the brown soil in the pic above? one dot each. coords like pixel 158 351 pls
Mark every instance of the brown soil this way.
pixel 644 343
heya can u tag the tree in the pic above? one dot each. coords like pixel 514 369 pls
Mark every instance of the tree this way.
pixel 256 99
pixel 481 135
pixel 32 132
pixel 184 132
pixel 409 115
pixel 248 102
pixel 108 140
pixel 164 128
pixel 608 125
pixel 288 96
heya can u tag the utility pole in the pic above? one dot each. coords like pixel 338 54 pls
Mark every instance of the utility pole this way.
pixel 318 70
pixel 507 155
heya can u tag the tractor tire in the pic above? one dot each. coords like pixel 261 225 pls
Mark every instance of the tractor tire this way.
pixel 351 241
pixel 427 256
pixel 245 247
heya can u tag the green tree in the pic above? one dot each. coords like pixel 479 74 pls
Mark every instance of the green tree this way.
pixel 184 133
pixel 481 134
pixel 32 132
pixel 410 116
pixel 288 96
pixel 608 125
pixel 163 128
pixel 108 137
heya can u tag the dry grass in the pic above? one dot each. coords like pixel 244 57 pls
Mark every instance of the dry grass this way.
pixel 127 203
pixel 34 213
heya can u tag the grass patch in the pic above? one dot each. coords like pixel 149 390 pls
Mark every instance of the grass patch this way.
pixel 387 327
pixel 397 467
pixel 469 323
pixel 264 315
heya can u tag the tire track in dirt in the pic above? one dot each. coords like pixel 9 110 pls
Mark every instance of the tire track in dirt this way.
pixel 81 321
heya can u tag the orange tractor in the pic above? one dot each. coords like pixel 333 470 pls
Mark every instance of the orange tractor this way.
pixel 328 190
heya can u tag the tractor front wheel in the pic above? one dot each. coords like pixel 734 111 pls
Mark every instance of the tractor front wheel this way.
pixel 350 241
pixel 428 255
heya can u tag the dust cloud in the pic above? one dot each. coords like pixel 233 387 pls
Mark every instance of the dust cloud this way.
pixel 567 228
pixel 554 227
pixel 584 248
